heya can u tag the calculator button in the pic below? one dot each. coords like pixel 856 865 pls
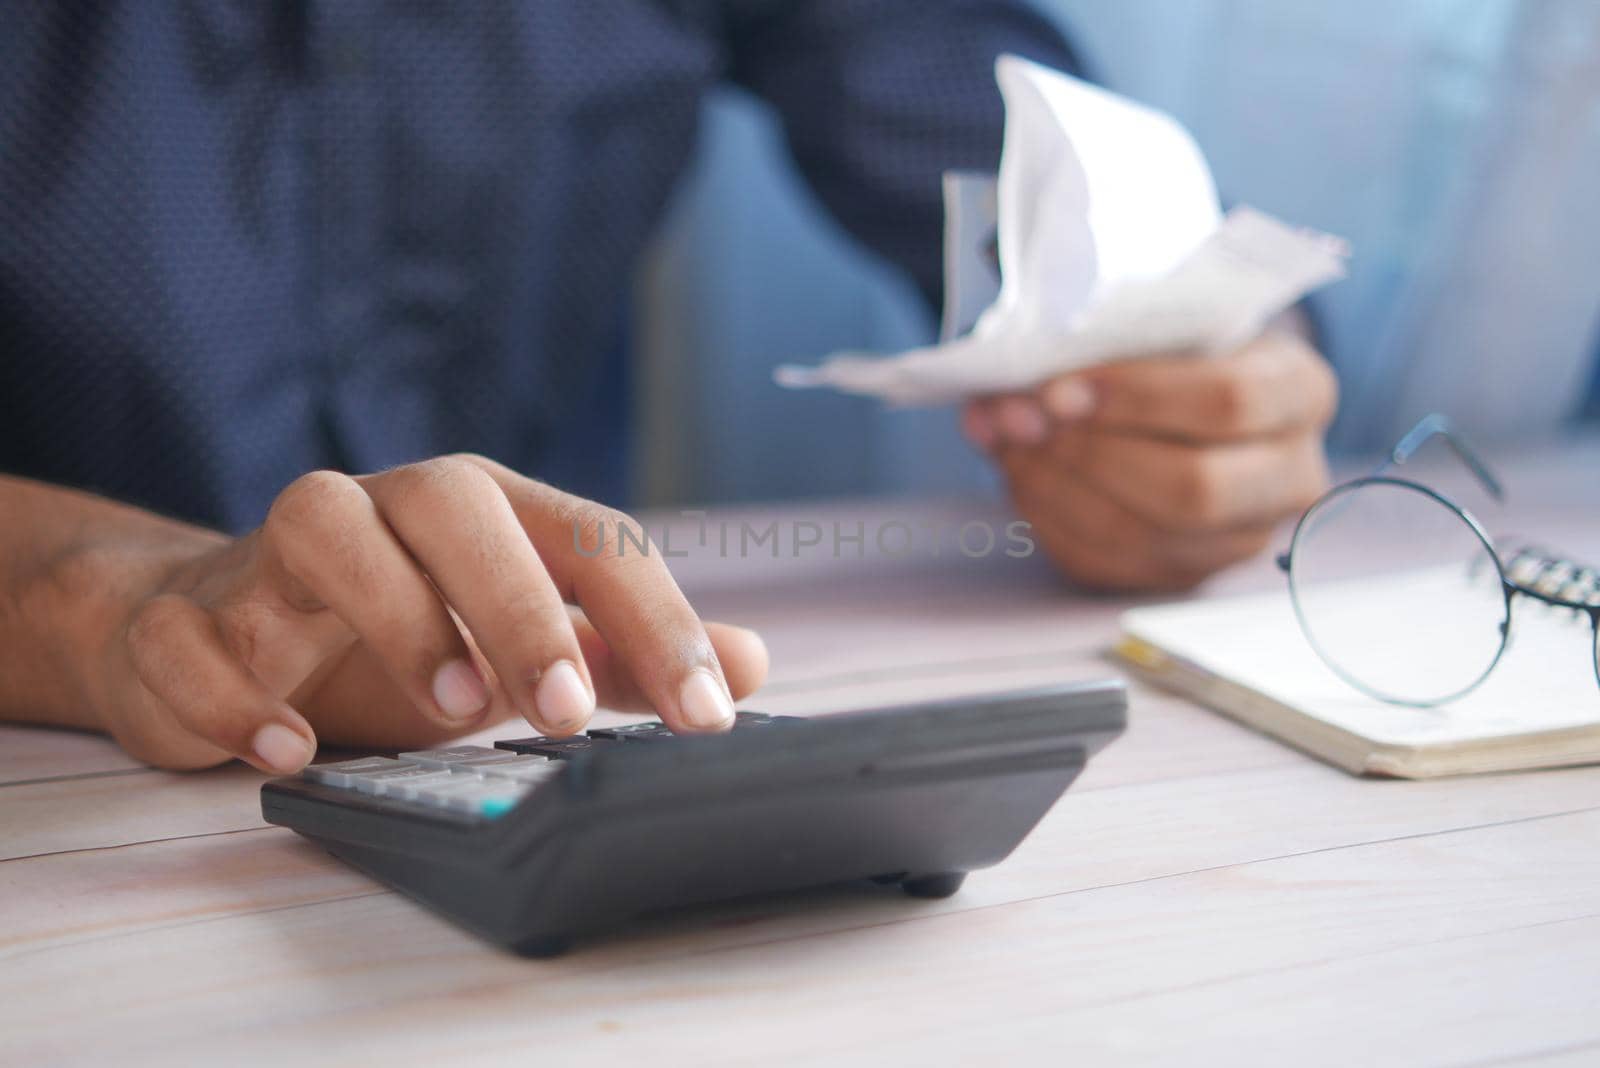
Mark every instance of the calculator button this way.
pixel 482 804
pixel 529 769
pixel 384 783
pixel 457 756
pixel 448 753
pixel 554 748
pixel 346 773
pixel 497 806
pixel 409 788
pixel 508 766
pixel 631 732
pixel 473 795
pixel 440 794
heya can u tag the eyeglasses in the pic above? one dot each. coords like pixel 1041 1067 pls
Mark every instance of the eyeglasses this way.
pixel 1432 629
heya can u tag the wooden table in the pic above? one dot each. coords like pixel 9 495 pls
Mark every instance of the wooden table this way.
pixel 1202 894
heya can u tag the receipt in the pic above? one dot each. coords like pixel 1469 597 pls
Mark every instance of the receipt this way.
pixel 971 250
pixel 1110 244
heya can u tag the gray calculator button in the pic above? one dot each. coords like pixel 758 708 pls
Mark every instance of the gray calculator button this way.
pixel 456 755
pixel 377 782
pixel 406 788
pixel 517 769
pixel 457 785
pixel 346 773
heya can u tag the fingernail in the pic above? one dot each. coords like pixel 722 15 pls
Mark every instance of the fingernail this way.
pixel 1024 422
pixel 703 702
pixel 1069 398
pixel 459 690
pixel 561 699
pixel 979 429
pixel 280 748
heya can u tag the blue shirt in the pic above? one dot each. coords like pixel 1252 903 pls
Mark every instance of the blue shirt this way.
pixel 241 241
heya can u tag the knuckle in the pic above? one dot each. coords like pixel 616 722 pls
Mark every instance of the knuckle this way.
pixel 306 503
pixel 431 483
pixel 453 469
pixel 1233 402
pixel 245 623
pixel 472 459
pixel 594 512
pixel 1199 492
pixel 1300 382
pixel 590 519
pixel 153 627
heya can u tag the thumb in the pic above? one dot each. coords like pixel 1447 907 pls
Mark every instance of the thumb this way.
pixel 180 657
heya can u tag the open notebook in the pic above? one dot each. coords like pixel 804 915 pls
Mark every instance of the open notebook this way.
pixel 1247 658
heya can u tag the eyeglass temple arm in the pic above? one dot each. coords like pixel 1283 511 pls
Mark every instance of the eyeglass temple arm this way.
pixel 1430 427
pixel 1437 426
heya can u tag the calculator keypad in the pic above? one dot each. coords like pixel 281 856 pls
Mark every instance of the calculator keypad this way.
pixel 457 756
pixel 465 778
pixel 487 782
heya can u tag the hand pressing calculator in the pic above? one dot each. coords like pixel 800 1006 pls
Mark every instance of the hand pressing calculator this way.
pixel 541 840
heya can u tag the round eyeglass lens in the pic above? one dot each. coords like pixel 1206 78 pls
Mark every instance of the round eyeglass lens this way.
pixel 1398 592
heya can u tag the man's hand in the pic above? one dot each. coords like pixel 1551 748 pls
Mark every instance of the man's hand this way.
pixel 1152 474
pixel 402 608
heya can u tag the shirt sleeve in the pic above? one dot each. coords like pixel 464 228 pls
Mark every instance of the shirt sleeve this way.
pixel 879 97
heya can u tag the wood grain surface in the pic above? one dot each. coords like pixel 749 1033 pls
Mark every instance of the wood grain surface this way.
pixel 1202 895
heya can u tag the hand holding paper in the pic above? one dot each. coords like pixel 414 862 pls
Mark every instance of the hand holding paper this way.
pixel 1137 474
pixel 1110 246
pixel 1164 470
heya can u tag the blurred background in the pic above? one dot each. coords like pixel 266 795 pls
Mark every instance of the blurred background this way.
pixel 1455 143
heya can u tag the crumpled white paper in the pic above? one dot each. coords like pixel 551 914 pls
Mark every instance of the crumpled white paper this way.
pixel 1111 245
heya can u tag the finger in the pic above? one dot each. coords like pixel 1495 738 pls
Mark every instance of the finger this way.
pixel 1275 385
pixel 181 658
pixel 491 575
pixel 333 549
pixel 1019 419
pixel 355 702
pixel 740 651
pixel 977 425
pixel 1065 501
pixel 1104 545
pixel 1184 487
pixel 629 595
pixel 1080 554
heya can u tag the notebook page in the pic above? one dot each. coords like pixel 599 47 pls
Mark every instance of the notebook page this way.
pixel 1545 681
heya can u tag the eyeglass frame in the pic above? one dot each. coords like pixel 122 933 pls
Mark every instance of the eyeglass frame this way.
pixel 1428 428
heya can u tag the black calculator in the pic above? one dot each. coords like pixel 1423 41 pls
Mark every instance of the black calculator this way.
pixel 540 841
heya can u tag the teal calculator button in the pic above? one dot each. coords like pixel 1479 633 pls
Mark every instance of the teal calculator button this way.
pixel 497 806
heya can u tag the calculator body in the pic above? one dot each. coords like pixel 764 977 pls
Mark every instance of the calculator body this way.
pixel 917 794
